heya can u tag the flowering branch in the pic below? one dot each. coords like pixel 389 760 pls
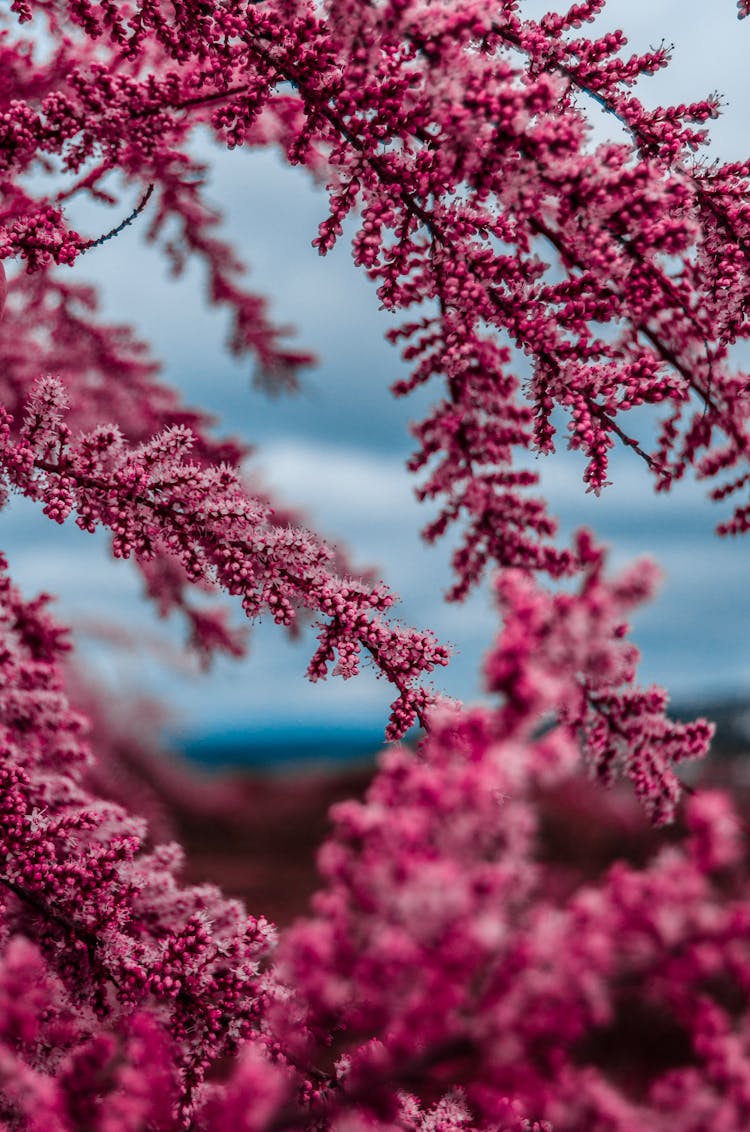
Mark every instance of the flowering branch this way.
pixel 155 500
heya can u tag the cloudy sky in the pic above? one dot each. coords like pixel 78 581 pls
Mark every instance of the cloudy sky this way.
pixel 338 450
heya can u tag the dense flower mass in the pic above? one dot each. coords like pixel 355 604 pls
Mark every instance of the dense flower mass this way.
pixel 457 969
pixel 426 963
pixel 112 951
pixel 613 1002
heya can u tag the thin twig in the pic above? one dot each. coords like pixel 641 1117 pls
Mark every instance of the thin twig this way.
pixel 89 244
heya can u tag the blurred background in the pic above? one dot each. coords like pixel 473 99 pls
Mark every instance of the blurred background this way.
pixel 337 452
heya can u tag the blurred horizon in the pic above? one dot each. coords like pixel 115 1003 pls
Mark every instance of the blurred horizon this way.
pixel 290 747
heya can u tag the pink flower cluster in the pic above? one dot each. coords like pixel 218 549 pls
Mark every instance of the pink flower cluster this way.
pixel 454 972
pixel 113 977
pixel 156 501
pixel 617 1002
pixel 567 655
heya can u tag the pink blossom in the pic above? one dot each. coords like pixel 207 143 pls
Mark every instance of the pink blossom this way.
pixel 456 970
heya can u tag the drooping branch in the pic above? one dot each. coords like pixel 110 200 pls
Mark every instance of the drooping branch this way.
pixel 87 245
pixel 155 500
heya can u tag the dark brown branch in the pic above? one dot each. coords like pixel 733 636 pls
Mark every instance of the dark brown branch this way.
pixel 89 244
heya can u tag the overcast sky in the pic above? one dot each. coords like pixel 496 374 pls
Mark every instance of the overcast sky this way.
pixel 338 450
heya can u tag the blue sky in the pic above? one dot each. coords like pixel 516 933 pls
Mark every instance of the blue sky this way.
pixel 338 450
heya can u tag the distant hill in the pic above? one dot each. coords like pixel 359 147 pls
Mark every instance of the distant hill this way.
pixel 288 750
pixel 282 750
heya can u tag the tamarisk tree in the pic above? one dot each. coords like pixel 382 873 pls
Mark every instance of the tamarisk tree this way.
pixel 449 976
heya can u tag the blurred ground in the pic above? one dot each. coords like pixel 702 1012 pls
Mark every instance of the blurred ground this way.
pixel 255 832
pixel 265 852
